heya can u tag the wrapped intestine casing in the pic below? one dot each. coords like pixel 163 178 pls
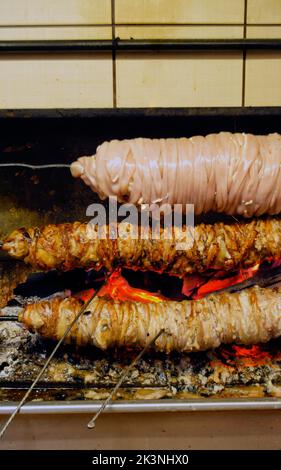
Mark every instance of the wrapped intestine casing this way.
pixel 229 173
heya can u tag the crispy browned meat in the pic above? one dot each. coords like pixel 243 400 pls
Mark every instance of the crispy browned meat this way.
pixel 248 317
pixel 219 246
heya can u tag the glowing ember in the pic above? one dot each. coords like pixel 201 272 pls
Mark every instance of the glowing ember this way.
pixel 248 356
pixel 85 295
pixel 195 286
pixel 118 288
pixel 215 284
pixel 192 282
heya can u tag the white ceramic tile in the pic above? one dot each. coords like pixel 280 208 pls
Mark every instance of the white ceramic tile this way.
pixel 56 32
pixel 264 11
pixel 264 32
pixel 179 32
pixel 56 81
pixel 57 12
pixel 182 79
pixel 263 83
pixel 179 11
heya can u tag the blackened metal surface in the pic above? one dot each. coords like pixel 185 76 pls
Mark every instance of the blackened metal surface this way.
pixel 178 112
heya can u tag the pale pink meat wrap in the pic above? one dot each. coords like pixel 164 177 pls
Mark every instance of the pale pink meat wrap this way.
pixel 225 172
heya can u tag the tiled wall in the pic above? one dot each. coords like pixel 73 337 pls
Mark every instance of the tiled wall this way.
pixel 140 79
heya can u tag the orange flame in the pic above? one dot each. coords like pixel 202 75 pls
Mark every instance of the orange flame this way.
pixel 252 356
pixel 219 284
pixel 195 286
pixel 118 288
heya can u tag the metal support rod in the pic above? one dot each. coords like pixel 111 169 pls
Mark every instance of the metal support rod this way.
pixel 138 45
pixel 141 113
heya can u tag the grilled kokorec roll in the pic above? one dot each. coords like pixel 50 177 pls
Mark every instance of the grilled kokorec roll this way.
pixel 248 317
pixel 230 173
pixel 219 246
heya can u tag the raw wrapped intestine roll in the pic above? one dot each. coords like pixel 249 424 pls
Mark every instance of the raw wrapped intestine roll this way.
pixel 229 173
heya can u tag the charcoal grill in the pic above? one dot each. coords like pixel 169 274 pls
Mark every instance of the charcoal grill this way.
pixel 78 379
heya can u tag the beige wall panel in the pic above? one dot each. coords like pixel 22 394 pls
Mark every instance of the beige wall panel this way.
pixel 263 83
pixel 264 11
pixel 178 32
pixel 57 32
pixel 179 11
pixel 59 12
pixel 56 81
pixel 183 79
pixel 264 32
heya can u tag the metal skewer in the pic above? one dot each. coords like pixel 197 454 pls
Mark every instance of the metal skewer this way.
pixel 26 395
pixel 35 167
pixel 8 317
pixel 123 376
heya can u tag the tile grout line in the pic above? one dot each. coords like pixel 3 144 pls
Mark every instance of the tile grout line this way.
pixel 68 25
pixel 244 53
pixel 113 54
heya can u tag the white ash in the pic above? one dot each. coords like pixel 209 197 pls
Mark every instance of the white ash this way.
pixel 11 332
pixel 22 301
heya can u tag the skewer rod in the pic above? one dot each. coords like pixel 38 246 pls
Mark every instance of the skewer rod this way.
pixel 8 318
